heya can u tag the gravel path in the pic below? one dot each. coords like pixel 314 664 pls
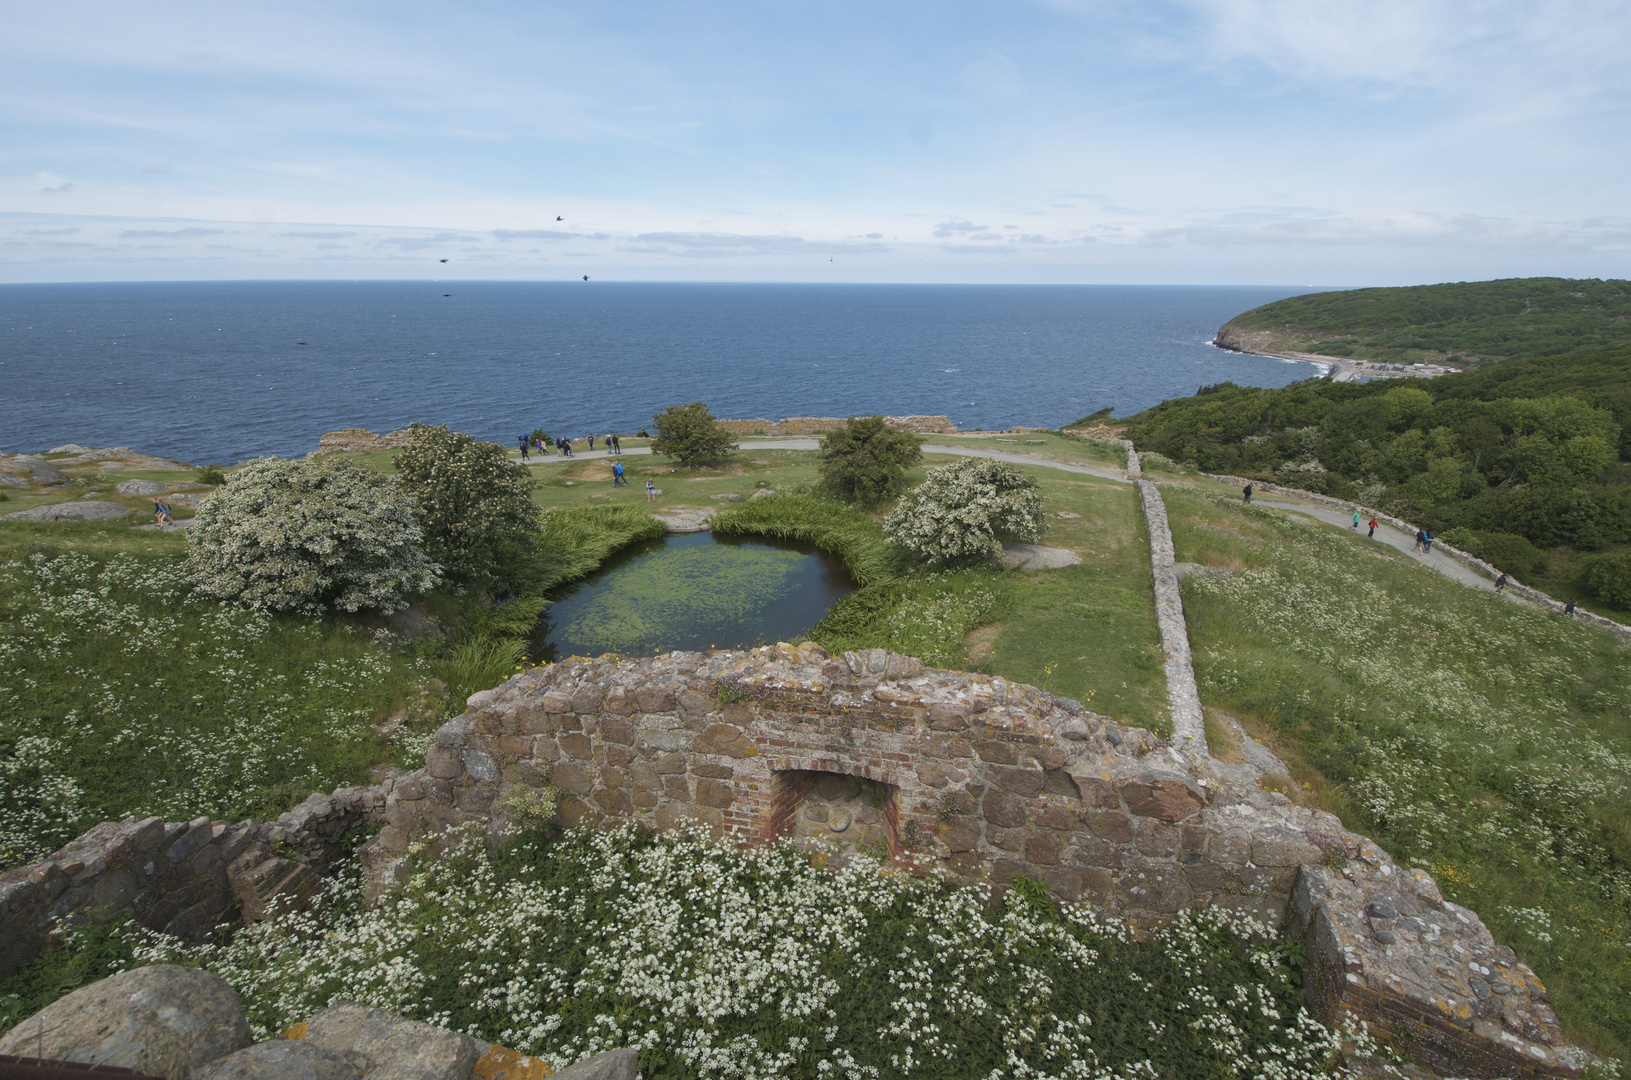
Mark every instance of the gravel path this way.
pixel 1397 539
pixel 1104 472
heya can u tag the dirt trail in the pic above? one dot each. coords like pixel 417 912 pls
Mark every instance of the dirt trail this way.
pixel 1386 534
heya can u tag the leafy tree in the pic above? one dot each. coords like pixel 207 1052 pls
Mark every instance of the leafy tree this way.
pixel 476 505
pixel 690 435
pixel 306 535
pixel 865 461
pixel 1609 578
pixel 965 510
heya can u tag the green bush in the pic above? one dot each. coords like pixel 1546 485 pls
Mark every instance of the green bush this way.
pixel 1609 578
pixel 1504 551
pixel 690 435
pixel 309 535
pixel 211 474
pixel 865 461
pixel 475 505
pixel 965 510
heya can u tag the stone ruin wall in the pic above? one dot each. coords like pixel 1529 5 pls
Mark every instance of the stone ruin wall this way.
pixel 975 775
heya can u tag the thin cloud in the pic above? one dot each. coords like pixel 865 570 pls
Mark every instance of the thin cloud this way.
pixel 320 235
pixel 192 232
pixel 48 232
pixel 956 228
pixel 534 234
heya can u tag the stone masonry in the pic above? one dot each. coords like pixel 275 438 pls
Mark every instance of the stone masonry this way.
pixel 974 775
pixel 988 780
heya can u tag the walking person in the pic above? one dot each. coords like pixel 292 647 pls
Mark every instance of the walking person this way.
pixel 158 513
pixel 1500 583
pixel 651 491
pixel 617 445
pixel 1355 525
pixel 1372 533
pixel 591 442
pixel 523 448
pixel 1568 609
pixel 1421 538
pixel 1427 541
pixel 1247 492
pixel 617 475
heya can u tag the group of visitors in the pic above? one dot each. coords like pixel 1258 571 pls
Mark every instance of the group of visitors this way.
pixel 533 444
pixel 161 513
pixel 1372 533
pixel 1424 541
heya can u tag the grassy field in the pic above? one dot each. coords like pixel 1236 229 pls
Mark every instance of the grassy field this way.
pixel 121 693
pixel 1480 738
pixel 1043 444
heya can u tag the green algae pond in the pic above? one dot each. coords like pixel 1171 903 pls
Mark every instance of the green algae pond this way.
pixel 690 592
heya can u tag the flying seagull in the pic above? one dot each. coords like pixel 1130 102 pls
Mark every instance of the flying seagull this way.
pixel 586 277
pixel 444 260
pixel 559 218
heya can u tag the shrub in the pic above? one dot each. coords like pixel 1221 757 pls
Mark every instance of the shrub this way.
pixel 690 435
pixel 475 505
pixel 964 510
pixel 305 535
pixel 1504 551
pixel 865 461
pixel 1609 578
pixel 211 474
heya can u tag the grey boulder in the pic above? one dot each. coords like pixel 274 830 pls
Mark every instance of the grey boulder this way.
pixel 72 511
pixel 162 1020
pixel 140 487
pixel 39 468
pixel 281 1059
pixel 387 1047
pixel 621 1064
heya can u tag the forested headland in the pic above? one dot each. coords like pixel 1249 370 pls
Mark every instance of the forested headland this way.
pixel 1464 323
pixel 1525 462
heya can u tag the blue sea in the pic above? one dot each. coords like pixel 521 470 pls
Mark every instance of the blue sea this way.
pixel 222 372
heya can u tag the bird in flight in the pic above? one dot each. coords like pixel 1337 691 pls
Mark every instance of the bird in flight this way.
pixel 444 260
pixel 586 277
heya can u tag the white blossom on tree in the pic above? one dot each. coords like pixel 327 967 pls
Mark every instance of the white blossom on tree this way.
pixel 965 510
pixel 305 535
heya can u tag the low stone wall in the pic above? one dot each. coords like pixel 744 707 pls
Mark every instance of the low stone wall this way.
pixel 181 878
pixel 358 441
pixel 1183 694
pixel 1473 562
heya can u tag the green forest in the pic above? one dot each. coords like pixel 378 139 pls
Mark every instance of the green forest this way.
pixel 1525 463
pixel 1465 322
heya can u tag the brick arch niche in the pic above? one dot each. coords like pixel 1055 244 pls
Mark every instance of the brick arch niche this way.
pixel 836 810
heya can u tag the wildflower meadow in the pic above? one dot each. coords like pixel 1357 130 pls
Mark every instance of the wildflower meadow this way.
pixel 1483 739
pixel 123 691
pixel 723 962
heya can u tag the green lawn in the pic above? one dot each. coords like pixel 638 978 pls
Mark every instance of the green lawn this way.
pixel 1480 738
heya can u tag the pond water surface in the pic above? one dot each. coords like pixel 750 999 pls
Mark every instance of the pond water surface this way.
pixel 691 592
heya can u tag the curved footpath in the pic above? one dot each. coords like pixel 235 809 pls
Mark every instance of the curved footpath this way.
pixel 1391 535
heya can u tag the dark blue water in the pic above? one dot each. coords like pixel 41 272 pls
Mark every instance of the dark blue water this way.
pixel 214 372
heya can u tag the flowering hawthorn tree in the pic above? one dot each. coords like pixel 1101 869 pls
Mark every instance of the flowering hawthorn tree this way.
pixel 965 510
pixel 474 504
pixel 304 535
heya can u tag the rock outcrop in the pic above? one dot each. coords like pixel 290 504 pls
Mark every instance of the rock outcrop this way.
pixel 158 1021
pixel 72 511
pixel 181 1023
pixel 358 440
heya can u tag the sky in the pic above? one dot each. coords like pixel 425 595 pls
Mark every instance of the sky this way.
pixel 1286 142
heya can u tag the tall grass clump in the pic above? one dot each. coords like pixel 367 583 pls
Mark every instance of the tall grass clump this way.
pixel 122 691
pixel 917 612
pixel 725 962
pixel 830 525
pixel 1485 740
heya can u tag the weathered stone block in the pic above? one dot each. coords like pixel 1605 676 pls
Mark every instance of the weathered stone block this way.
pixel 443 762
pixel 713 771
pixel 694 704
pixel 670 763
pixel 1042 847
pixel 993 751
pixel 617 702
pixel 948 717
pixel 1163 798
pixel 1023 782
pixel 586 700
pixel 615 801
pixel 655 699
pixel 715 793
pixel 617 729
pixel 576 746
pixel 1003 808
pixel 676 787
pixel 725 739
pixel 573 777
pixel 958 835
pixel 553 701
pixel 1112 825
pixel 1153 886
pixel 1005 839
pixel 1284 847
